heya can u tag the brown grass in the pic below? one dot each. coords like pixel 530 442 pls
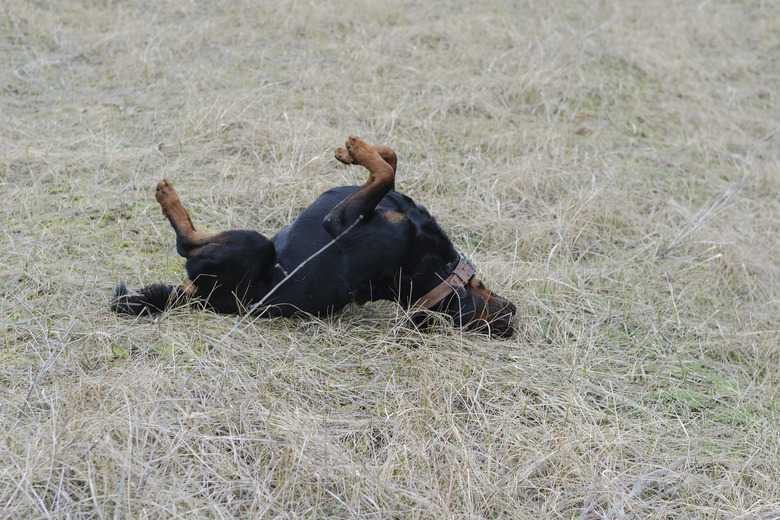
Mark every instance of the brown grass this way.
pixel 612 167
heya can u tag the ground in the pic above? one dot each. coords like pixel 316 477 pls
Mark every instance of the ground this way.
pixel 612 167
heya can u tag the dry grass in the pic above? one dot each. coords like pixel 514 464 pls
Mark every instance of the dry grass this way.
pixel 612 167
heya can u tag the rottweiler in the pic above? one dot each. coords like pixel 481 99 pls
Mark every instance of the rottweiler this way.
pixel 352 244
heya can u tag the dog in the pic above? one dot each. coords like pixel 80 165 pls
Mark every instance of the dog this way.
pixel 352 244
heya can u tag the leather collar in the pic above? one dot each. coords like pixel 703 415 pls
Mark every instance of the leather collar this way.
pixel 459 277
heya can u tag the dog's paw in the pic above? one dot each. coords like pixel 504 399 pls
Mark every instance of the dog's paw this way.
pixel 166 196
pixel 357 149
pixel 163 191
pixel 342 155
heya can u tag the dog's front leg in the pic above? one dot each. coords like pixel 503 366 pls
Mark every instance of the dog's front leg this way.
pixel 361 203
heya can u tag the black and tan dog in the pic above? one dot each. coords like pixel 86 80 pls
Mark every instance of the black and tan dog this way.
pixel 386 247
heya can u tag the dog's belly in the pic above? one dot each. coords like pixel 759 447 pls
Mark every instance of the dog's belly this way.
pixel 359 266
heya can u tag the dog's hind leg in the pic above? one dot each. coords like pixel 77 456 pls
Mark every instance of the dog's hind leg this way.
pixel 380 161
pixel 188 240
pixel 225 269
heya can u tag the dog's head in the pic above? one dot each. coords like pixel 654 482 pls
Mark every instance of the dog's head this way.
pixel 476 307
pixel 470 304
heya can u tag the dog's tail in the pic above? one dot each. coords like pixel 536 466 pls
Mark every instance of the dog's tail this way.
pixel 150 300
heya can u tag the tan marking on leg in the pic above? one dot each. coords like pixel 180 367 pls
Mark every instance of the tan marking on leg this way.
pixel 378 169
pixel 188 288
pixel 179 217
pixel 172 207
pixel 385 152
pixel 343 156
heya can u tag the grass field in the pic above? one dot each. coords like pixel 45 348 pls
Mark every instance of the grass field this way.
pixel 612 167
